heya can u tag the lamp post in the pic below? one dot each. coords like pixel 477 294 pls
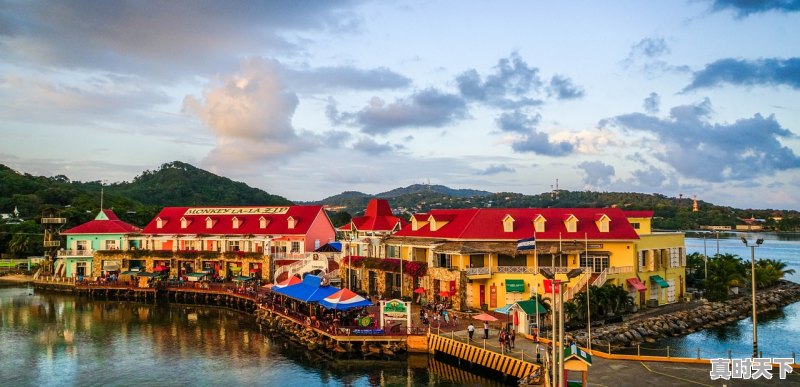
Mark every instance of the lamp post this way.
pixel 558 366
pixel 759 241
pixel 705 256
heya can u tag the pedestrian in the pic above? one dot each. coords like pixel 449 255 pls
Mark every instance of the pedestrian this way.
pixel 512 336
pixel 485 329
pixel 470 331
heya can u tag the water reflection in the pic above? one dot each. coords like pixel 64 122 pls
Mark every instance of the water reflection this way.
pixel 51 339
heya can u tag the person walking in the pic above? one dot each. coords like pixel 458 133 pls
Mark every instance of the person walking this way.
pixel 471 331
pixel 485 329
pixel 512 336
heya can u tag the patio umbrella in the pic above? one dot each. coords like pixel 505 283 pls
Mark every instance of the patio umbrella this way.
pixel 444 293
pixel 160 267
pixel 293 280
pixel 419 290
pixel 484 317
pixel 344 299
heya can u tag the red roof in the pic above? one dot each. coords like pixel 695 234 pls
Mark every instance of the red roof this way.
pixel 275 220
pixel 487 224
pixel 106 222
pixel 377 217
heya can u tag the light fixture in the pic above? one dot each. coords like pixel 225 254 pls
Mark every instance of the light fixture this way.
pixel 759 241
pixel 547 273
pixel 744 241
pixel 574 273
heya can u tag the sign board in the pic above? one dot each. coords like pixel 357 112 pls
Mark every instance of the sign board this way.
pixel 395 310
pixel 237 211
pixel 492 297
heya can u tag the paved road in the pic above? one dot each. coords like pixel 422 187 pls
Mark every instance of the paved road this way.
pixel 612 373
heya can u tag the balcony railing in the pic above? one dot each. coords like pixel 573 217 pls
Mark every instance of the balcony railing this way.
pixel 500 269
pixel 76 253
pixel 620 269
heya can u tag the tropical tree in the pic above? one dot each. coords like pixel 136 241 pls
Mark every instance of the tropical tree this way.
pixel 544 301
pixel 724 271
pixel 695 269
pixel 19 244
pixel 769 272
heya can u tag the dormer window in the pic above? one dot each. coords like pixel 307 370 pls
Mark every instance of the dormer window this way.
pixel 602 221
pixel 433 224
pixel 209 222
pixel 262 222
pixel 417 222
pixel 571 223
pixel 235 222
pixel 184 223
pixel 508 224
pixel 160 222
pixel 538 223
pixel 291 222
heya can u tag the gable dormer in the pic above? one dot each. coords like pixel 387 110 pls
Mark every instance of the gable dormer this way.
pixel 235 222
pixel 602 222
pixel 571 223
pixel 185 222
pixel 161 222
pixel 538 223
pixel 210 222
pixel 418 221
pixel 291 222
pixel 508 223
pixel 439 221
pixel 263 222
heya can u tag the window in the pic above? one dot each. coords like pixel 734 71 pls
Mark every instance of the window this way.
pixel 642 260
pixel 508 224
pixel 476 260
pixel 235 222
pixel 443 260
pixel 233 245
pixel 81 245
pixel 111 245
pixel 595 263
pixel 508 260
pixel 635 225
pixel 295 247
pixel 391 252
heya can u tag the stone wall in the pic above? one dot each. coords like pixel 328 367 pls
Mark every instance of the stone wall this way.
pixel 703 315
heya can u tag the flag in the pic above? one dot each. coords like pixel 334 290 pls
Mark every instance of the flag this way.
pixel 526 244
pixel 548 286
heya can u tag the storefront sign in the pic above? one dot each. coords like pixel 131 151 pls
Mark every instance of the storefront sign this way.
pixel 492 297
pixel 237 211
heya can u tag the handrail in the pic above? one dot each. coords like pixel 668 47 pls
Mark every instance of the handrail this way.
pixel 582 280
pixel 601 279
pixel 76 252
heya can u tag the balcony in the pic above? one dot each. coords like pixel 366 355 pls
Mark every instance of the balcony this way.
pixel 620 269
pixel 75 253
pixel 486 272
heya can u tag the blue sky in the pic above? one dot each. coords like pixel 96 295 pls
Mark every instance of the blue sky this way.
pixel 309 99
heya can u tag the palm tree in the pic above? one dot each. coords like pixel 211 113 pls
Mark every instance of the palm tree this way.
pixel 724 271
pixel 19 244
pixel 544 301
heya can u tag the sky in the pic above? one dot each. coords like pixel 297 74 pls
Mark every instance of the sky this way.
pixel 312 98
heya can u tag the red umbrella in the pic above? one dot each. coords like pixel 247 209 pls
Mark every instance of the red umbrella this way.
pixel 484 317
pixel 293 280
pixel 419 290
pixel 160 267
pixel 444 293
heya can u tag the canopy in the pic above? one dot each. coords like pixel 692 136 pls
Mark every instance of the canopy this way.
pixel 330 247
pixel 531 307
pixel 660 281
pixel 444 293
pixel 638 285
pixel 193 277
pixel 343 300
pixel 419 290
pixel 129 272
pixel 160 267
pixel 485 317
pixel 293 280
pixel 310 290
pixel 504 310
pixel 148 274
pixel 243 278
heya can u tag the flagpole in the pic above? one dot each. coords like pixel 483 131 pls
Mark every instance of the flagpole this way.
pixel 588 307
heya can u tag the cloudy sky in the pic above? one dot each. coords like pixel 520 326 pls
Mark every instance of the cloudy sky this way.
pixel 308 99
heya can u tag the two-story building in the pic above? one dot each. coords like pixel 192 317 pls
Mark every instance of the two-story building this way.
pixel 106 232
pixel 231 241
pixel 472 254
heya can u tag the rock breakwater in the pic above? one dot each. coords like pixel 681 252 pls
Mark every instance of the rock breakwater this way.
pixel 696 316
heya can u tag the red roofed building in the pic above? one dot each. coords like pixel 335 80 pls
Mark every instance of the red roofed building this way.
pixel 106 232
pixel 473 258
pixel 233 241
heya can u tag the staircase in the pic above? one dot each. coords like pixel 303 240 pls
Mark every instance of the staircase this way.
pixel 583 279
pixel 301 267
pixel 599 279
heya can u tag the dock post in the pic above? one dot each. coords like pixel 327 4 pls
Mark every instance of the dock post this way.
pixel 698 352
pixel 638 350
pixel 484 343
pixel 668 351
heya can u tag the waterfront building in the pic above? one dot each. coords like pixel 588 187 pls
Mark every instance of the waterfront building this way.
pixel 106 232
pixel 363 238
pixel 230 242
pixel 471 255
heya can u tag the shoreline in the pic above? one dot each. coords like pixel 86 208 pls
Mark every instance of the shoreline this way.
pixel 693 318
pixel 16 279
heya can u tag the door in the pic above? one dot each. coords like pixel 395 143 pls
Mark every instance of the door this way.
pixel 80 269
pixel 373 282
pixel 671 291
pixel 483 294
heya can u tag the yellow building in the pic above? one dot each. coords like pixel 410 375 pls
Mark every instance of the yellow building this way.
pixel 473 260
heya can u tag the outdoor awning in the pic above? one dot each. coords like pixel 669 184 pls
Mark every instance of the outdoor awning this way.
pixel 504 310
pixel 200 274
pixel 638 285
pixel 236 269
pixel 129 272
pixel 148 274
pixel 530 307
pixel 515 286
pixel 660 281
pixel 243 278
pixel 310 290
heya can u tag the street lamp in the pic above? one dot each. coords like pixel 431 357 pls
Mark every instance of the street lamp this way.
pixel 705 256
pixel 558 366
pixel 759 241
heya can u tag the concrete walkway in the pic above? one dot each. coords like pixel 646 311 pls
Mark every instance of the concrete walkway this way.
pixel 611 373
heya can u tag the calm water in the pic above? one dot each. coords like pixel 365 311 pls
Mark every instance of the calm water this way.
pixel 53 340
pixel 778 331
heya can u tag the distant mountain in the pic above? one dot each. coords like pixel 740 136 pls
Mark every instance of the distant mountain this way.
pixel 427 188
